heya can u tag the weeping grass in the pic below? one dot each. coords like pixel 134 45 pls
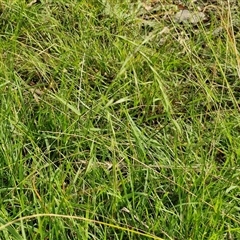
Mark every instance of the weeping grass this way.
pixel 116 128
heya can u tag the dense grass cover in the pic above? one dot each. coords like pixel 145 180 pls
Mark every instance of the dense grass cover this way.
pixel 113 126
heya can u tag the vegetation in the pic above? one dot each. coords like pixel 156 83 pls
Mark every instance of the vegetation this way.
pixel 115 125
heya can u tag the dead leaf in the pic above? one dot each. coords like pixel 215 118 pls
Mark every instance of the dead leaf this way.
pixel 32 2
pixel 185 16
pixel 147 7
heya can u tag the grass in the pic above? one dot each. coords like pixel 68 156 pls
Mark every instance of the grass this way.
pixel 111 129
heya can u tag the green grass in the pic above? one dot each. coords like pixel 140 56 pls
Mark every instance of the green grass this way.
pixel 114 130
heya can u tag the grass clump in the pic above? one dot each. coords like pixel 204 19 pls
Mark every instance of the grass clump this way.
pixel 117 126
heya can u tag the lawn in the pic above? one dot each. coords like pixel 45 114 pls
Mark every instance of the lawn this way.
pixel 119 121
